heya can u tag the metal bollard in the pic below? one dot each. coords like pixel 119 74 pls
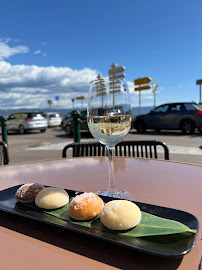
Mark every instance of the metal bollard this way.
pixel 4 129
pixel 4 134
pixel 76 120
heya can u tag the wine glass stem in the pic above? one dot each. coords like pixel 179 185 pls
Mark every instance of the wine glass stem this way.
pixel 110 153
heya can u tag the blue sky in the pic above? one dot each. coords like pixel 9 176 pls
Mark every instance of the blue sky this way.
pixel 50 48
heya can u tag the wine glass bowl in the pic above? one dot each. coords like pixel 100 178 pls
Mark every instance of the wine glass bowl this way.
pixel 109 120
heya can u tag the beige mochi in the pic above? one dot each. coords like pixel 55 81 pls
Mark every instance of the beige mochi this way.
pixel 51 198
pixel 120 215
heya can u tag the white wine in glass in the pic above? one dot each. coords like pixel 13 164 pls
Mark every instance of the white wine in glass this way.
pixel 109 120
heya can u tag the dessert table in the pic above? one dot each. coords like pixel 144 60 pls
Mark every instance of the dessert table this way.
pixel 28 244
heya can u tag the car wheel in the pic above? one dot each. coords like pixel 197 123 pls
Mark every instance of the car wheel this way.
pixel 187 126
pixel 43 130
pixel 140 126
pixel 68 130
pixel 21 129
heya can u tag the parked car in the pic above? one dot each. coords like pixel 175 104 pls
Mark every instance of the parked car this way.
pixel 69 125
pixel 173 116
pixel 54 119
pixel 65 119
pixel 26 121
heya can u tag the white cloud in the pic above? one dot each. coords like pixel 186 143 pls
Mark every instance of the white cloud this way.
pixel 6 51
pixel 32 86
pixel 37 52
pixel 131 87
pixel 5 40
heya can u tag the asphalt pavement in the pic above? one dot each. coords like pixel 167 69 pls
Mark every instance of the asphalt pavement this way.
pixel 42 146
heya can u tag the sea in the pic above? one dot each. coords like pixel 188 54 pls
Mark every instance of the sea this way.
pixel 63 111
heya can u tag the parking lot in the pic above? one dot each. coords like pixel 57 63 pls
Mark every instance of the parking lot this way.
pixel 41 146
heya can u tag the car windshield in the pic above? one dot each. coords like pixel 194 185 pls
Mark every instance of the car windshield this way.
pixel 54 115
pixel 68 115
pixel 163 108
pixel 31 115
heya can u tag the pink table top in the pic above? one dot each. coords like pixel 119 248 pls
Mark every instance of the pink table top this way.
pixel 33 245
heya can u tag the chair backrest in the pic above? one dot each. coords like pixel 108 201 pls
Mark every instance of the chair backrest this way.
pixel 142 149
pixel 4 155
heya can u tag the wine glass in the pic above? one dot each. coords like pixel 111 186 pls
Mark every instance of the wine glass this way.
pixel 109 120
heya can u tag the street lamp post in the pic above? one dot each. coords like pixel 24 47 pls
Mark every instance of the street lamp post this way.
pixel 155 91
pixel 199 82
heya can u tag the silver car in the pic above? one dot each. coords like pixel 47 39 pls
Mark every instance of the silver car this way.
pixel 26 121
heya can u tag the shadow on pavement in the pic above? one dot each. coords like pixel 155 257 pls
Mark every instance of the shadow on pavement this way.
pixel 166 133
pixel 86 135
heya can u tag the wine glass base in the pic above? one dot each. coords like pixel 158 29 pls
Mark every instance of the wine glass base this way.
pixel 116 194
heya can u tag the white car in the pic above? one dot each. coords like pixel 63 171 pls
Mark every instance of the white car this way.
pixel 54 119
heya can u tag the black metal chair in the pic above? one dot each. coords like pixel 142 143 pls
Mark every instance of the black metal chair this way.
pixel 4 155
pixel 140 149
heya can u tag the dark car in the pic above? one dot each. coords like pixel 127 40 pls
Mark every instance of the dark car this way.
pixel 173 116
pixel 69 125
pixel 65 119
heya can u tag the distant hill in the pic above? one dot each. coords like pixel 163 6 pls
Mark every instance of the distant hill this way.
pixel 63 112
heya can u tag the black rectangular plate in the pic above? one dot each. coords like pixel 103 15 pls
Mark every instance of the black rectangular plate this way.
pixel 166 246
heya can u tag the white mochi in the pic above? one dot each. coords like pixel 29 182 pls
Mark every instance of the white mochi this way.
pixel 120 215
pixel 51 198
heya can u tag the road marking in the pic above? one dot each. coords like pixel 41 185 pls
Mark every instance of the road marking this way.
pixel 173 149
pixel 48 146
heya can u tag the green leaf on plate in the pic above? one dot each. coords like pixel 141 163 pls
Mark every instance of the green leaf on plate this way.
pixel 153 225
pixel 150 225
